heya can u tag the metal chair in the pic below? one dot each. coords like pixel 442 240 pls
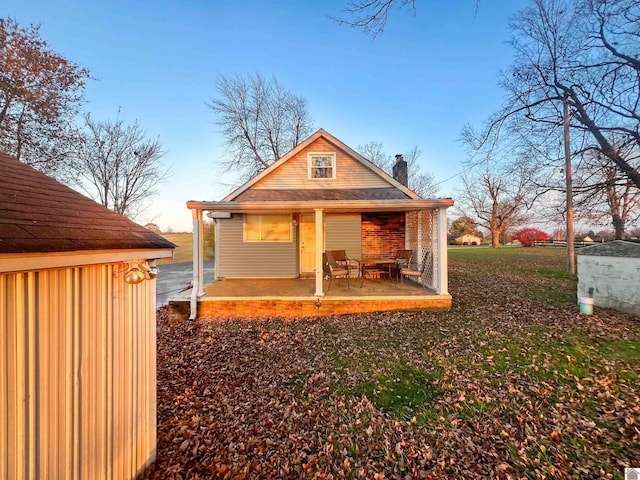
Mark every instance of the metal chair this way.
pixel 403 258
pixel 340 256
pixel 333 270
pixel 419 271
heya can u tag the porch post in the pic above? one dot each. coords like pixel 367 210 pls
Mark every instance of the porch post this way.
pixel 198 248
pixel 319 249
pixel 443 276
pixel 216 251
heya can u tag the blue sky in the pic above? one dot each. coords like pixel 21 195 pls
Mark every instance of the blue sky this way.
pixel 418 84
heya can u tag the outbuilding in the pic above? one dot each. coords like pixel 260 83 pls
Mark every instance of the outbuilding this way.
pixel 610 274
pixel 77 333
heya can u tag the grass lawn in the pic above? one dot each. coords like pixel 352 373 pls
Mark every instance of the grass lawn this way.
pixel 511 383
pixel 184 250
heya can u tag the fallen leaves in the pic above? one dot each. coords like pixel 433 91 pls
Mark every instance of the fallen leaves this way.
pixel 502 386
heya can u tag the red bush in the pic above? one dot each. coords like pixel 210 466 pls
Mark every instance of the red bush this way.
pixel 527 236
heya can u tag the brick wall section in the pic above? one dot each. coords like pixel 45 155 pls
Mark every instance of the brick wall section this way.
pixel 382 234
pixel 179 311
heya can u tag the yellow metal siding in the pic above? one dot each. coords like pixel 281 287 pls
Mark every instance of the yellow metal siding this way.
pixel 350 173
pixel 240 259
pixel 77 374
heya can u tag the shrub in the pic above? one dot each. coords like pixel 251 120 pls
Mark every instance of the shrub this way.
pixel 527 236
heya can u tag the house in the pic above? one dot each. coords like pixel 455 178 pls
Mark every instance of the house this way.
pixel 77 368
pixel 322 195
pixel 610 274
pixel 464 239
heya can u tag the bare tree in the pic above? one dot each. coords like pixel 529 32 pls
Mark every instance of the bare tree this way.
pixel 564 52
pixel 496 199
pixel 422 183
pixel 40 94
pixel 118 166
pixel 371 15
pixel 260 121
pixel 603 195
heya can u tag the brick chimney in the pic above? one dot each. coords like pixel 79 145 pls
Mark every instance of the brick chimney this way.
pixel 400 172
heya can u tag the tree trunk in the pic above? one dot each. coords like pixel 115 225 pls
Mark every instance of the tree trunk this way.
pixel 618 226
pixel 495 237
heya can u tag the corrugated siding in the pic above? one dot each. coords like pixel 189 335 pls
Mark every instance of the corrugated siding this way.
pixel 343 233
pixel 242 259
pixel 350 173
pixel 77 374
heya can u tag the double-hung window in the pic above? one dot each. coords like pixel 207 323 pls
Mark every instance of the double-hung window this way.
pixel 322 166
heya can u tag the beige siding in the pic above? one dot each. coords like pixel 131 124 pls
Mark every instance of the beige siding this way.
pixel 343 233
pixel 350 173
pixel 77 374
pixel 240 259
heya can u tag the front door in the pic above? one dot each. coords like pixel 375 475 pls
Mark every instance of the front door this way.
pixel 307 244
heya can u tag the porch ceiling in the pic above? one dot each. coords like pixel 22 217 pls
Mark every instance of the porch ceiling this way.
pixel 332 206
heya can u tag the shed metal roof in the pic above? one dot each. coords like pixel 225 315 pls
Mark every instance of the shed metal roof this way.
pixel 616 248
pixel 40 214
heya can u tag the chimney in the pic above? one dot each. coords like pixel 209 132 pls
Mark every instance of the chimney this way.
pixel 400 172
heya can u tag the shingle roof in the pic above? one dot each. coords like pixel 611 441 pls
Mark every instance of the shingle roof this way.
pixel 616 248
pixel 39 214
pixel 266 195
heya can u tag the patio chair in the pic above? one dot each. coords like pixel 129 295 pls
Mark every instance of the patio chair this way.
pixel 403 258
pixel 333 270
pixel 427 262
pixel 340 256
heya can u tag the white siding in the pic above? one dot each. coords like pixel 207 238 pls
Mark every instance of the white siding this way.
pixel 615 281
pixel 350 173
pixel 77 374
pixel 240 259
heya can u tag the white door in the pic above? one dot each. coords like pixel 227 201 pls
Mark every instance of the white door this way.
pixel 307 244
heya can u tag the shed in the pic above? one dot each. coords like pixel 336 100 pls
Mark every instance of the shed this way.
pixel 612 270
pixel 77 361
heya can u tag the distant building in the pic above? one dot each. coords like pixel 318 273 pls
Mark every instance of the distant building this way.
pixel 464 239
pixel 153 227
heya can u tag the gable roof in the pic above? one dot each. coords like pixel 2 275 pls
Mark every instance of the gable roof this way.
pixel 616 248
pixel 396 190
pixel 39 214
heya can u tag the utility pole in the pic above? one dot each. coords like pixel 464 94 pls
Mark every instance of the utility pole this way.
pixel 571 263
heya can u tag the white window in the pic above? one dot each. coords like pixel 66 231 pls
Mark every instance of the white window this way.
pixel 267 228
pixel 322 166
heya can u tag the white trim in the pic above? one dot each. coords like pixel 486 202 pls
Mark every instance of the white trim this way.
pixel 443 267
pixel 319 250
pixel 326 205
pixel 311 168
pixel 22 262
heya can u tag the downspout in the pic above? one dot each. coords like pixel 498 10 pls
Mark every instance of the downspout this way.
pixel 197 263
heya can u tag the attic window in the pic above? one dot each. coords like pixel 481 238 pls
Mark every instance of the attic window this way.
pixel 322 166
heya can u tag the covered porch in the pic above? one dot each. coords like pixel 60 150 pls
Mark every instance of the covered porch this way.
pixel 424 231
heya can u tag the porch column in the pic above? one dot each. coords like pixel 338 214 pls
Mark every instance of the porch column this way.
pixel 443 267
pixel 197 289
pixel 319 250
pixel 216 250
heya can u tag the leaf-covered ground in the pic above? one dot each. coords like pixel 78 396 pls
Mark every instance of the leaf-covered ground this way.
pixel 511 383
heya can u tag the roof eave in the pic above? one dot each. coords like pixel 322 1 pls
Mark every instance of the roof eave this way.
pixel 326 205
